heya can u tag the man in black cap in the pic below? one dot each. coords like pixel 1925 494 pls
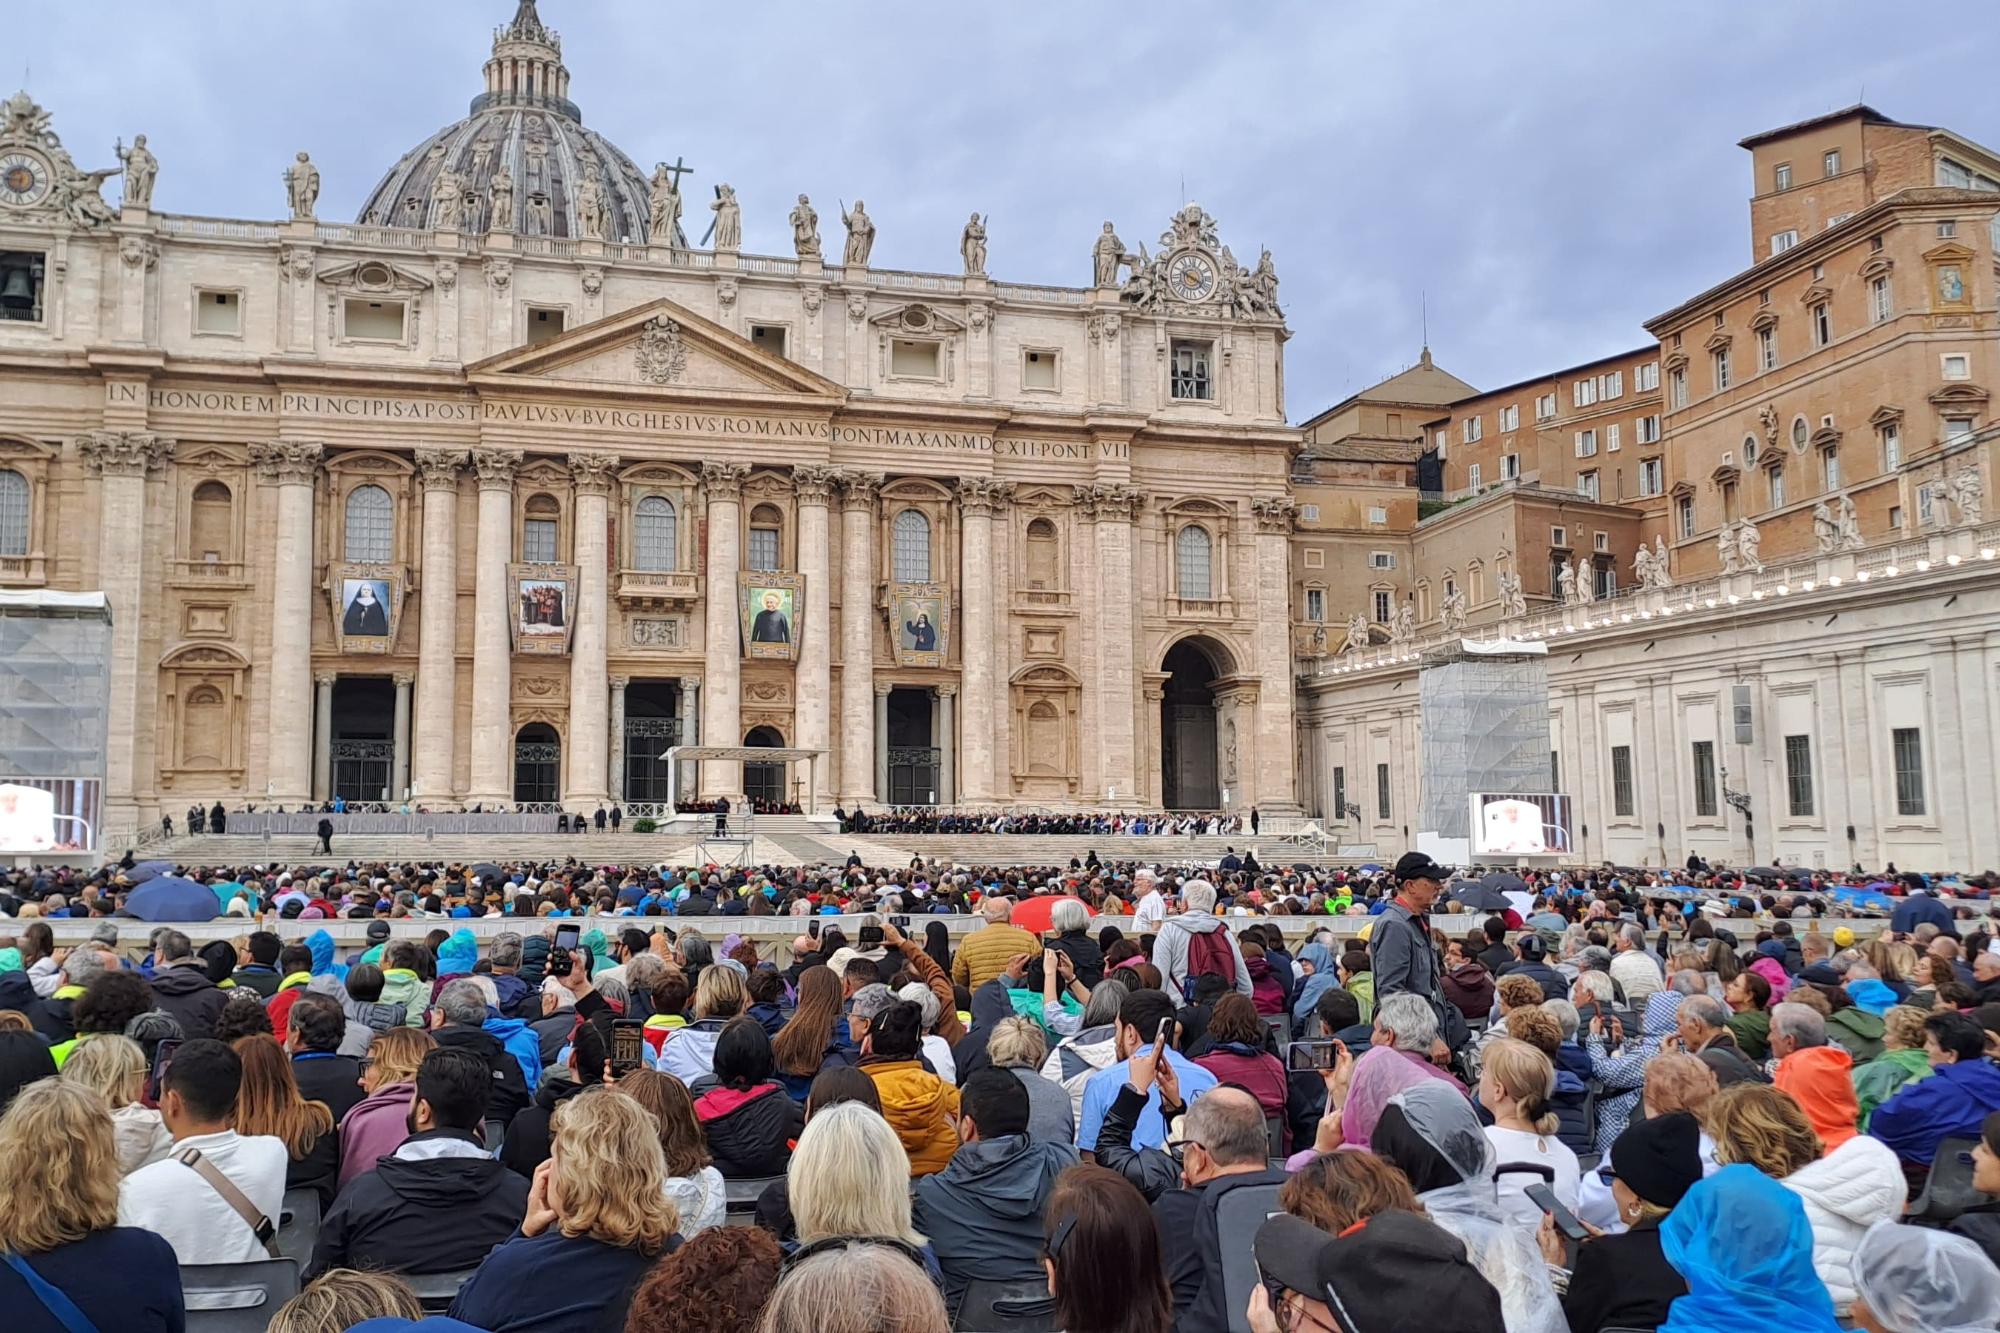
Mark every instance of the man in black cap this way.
pixel 1399 947
pixel 1394 1272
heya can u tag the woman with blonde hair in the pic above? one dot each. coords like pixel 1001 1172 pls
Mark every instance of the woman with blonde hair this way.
pixel 340 1298
pixel 1515 1084
pixel 59 1232
pixel 850 1179
pixel 268 1102
pixel 694 1185
pixel 380 1122
pixel 115 1068
pixel 688 1053
pixel 1903 1061
pixel 598 1215
pixel 857 1288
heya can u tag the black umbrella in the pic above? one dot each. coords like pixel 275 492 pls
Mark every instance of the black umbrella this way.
pixel 1505 880
pixel 1764 872
pixel 486 870
pixel 1481 897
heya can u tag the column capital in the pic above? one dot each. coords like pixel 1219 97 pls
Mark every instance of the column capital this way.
pixel 124 453
pixel 724 481
pixel 288 462
pixel 858 489
pixel 326 678
pixel 496 468
pixel 440 468
pixel 983 495
pixel 1274 514
pixel 883 688
pixel 1114 504
pixel 691 686
pixel 593 474
pixel 618 682
pixel 947 690
pixel 815 484
pixel 403 679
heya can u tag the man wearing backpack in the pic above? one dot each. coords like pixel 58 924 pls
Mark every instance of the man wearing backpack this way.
pixel 1196 942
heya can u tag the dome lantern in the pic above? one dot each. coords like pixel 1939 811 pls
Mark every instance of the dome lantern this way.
pixel 526 67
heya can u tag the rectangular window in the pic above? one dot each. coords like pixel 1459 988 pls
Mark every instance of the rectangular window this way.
pixel 1926 515
pixel 1510 467
pixel 1381 560
pixel 1829 162
pixel 1038 369
pixel 538 541
pixel 218 312
pixel 1895 518
pixel 1829 464
pixel 1822 324
pixel 1545 407
pixel 1767 348
pixel 1510 417
pixel 1957 428
pixel 1607 582
pixel 1611 438
pixel 1777 488
pixel 1339 810
pixel 1474 429
pixel 544 325
pixel 1781 176
pixel 1381 606
pixel 1315 604
pixel 1583 393
pixel 1600 541
pixel 1622 803
pixel 1382 791
pixel 1649 429
pixel 1472 476
pixel 1586 444
pixel 1646 378
pixel 1308 513
pixel 1955 366
pixel 1558 535
pixel 1684 510
pixel 1613 384
pixel 374 321
pixel 1649 476
pixel 1678 396
pixel 1555 770
pixel 1586 485
pixel 1377 514
pixel 770 337
pixel 1892 446
pixel 1191 378
pixel 1721 369
pixel 1947 230
pixel 1784 241
pixel 1908 743
pixel 764 548
pixel 1798 775
pixel 1704 778
pixel 1881 304
pixel 916 359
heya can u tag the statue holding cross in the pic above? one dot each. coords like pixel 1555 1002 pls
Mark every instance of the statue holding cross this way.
pixel 665 203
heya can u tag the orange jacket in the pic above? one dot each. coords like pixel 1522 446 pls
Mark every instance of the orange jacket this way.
pixel 1821 1080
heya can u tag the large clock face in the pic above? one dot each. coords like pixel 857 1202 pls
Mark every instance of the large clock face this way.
pixel 24 179
pixel 1190 276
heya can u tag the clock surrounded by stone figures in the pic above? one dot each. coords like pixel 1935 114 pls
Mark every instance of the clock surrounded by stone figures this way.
pixel 1190 276
pixel 24 178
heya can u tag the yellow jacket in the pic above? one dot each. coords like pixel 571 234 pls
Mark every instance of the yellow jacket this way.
pixel 983 954
pixel 918 1105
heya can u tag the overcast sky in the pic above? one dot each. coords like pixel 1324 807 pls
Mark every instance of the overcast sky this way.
pixel 1544 178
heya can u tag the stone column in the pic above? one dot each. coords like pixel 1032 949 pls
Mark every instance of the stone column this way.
pixel 978 497
pixel 492 778
pixel 813 685
pixel 121 461
pixel 1112 509
pixel 322 761
pixel 615 778
pixel 722 660
pixel 687 782
pixel 292 466
pixel 1275 790
pixel 592 476
pixel 437 639
pixel 859 770
pixel 947 734
pixel 881 741
pixel 399 769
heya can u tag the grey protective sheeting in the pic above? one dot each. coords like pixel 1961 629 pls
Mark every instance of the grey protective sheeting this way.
pixel 1485 727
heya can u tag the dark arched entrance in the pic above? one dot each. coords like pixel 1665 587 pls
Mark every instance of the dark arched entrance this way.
pixel 761 781
pixel 1190 776
pixel 537 764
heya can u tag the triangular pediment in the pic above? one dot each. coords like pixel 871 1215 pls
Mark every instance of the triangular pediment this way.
pixel 657 347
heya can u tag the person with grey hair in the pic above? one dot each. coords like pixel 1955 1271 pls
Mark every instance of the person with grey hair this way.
pixel 1408 1023
pixel 1070 920
pixel 1092 1047
pixel 181 986
pixel 868 1002
pixel 1197 943
pixel 985 953
pixel 54 1017
pixel 459 1020
pixel 1224 1147
pixel 1632 967
pixel 514 997
pixel 1702 1023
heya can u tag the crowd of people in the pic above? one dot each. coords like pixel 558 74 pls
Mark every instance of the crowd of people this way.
pixel 1585 1114
pixel 939 819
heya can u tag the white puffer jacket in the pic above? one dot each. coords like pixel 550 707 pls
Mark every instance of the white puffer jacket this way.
pixel 1845 1192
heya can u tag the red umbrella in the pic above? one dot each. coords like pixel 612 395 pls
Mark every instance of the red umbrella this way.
pixel 1033 913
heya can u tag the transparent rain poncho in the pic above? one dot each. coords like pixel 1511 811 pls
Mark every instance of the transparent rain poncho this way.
pixel 1431 1132
pixel 1920 1281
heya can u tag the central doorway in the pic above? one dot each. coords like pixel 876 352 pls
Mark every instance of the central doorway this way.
pixel 652 727
pixel 1189 772
pixel 537 764
pixel 913 753
pixel 764 782
pixel 364 737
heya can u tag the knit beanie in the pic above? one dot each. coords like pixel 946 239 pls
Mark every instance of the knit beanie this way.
pixel 1659 1158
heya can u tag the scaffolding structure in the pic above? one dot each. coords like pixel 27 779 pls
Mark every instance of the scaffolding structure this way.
pixel 1484 720
pixel 55 693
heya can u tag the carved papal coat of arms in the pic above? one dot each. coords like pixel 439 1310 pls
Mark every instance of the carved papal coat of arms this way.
pixel 661 356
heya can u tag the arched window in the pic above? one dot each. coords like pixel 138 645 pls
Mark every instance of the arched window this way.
pixel 210 520
pixel 767 528
pixel 1193 549
pixel 369 535
pixel 13 513
pixel 538 530
pixel 655 534
pixel 1043 555
pixel 911 547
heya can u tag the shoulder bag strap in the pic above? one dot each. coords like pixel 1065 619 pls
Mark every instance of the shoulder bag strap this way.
pixel 237 1200
pixel 60 1307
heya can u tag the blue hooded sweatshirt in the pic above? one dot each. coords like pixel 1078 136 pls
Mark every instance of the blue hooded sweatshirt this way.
pixel 1324 978
pixel 521 1042
pixel 321 945
pixel 457 955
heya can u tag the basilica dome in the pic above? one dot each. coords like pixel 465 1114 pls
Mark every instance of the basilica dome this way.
pixel 523 121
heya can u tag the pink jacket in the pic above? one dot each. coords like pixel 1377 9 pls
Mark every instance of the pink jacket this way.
pixel 1774 972
pixel 374 1128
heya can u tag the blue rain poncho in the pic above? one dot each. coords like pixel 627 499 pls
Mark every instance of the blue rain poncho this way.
pixel 1743 1243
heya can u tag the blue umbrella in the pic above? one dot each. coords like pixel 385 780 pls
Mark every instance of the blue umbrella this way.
pixel 1370 869
pixel 146 870
pixel 1864 898
pixel 171 898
